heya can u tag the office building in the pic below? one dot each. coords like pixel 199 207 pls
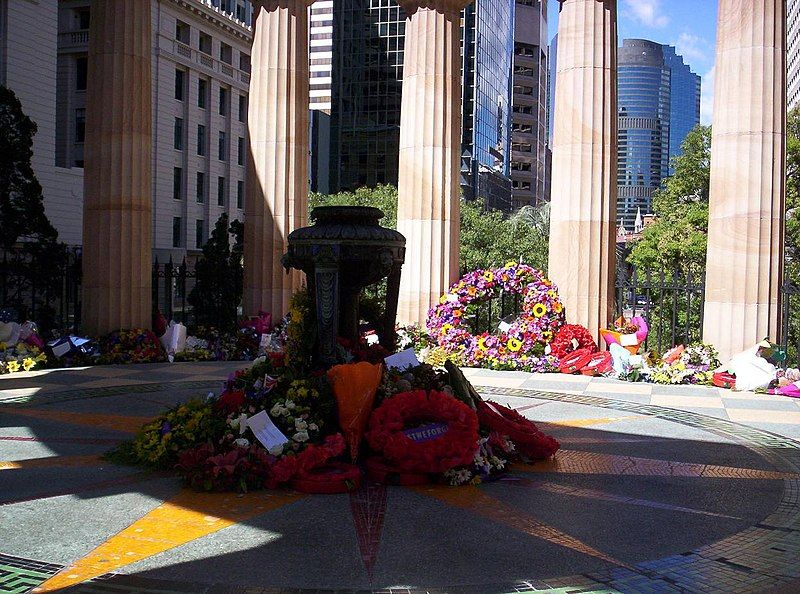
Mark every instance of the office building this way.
pixel 529 170
pixel 793 52
pixel 201 73
pixel 659 103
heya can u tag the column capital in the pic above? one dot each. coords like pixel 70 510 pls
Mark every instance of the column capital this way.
pixel 271 5
pixel 443 6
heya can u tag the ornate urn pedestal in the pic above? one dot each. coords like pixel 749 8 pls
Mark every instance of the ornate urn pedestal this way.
pixel 343 252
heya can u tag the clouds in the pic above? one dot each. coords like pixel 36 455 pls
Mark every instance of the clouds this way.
pixel 647 12
pixel 695 50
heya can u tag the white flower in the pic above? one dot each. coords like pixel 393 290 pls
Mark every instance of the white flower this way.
pixel 260 359
pixel 300 436
pixel 290 405
pixel 278 411
pixel 276 450
pixel 242 442
pixel 313 427
pixel 300 424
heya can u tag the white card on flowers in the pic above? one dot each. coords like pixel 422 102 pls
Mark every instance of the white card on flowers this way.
pixel 402 360
pixel 265 430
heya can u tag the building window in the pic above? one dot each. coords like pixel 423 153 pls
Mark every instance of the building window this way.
pixel 182 32
pixel 178 140
pixel 223 146
pixel 223 101
pixel 201 139
pixel 241 151
pixel 84 18
pixel 242 108
pixel 205 43
pixel 180 83
pixel 176 232
pixel 80 125
pixel 177 183
pixel 81 69
pixel 240 194
pixel 199 228
pixel 201 187
pixel 202 93
pixel 220 191
pixel 244 62
pixel 226 53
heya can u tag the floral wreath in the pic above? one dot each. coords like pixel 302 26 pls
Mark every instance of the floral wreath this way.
pixel 454 446
pixel 572 337
pixel 528 439
pixel 518 346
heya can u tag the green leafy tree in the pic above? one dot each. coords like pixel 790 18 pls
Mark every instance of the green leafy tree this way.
pixel 678 237
pixel 383 197
pixel 34 267
pixel 219 277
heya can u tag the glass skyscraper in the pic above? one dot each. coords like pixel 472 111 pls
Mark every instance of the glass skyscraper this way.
pixel 488 50
pixel 366 90
pixel 658 105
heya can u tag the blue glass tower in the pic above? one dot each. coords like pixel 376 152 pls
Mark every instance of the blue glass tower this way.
pixel 659 103
pixel 684 100
pixel 488 51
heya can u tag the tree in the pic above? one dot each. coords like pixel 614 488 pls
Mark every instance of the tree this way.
pixel 33 269
pixel 488 237
pixel 22 215
pixel 677 239
pixel 219 277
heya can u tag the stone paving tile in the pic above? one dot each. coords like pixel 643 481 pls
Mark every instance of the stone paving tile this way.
pixel 774 404
pixel 763 416
pixel 675 401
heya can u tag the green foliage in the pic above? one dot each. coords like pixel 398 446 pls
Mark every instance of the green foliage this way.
pixel 219 277
pixel 678 237
pixel 383 197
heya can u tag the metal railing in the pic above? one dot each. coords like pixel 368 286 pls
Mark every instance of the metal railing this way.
pixel 671 301
pixel 49 295
pixel 171 287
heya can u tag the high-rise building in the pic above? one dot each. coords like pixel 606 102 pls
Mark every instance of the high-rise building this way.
pixel 366 91
pixel 529 120
pixel 200 79
pixel 656 91
pixel 793 52
pixel 684 103
pixel 488 53
pixel 320 49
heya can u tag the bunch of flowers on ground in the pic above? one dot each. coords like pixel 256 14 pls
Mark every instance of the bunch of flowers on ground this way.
pixel 694 364
pixel 131 346
pixel 20 357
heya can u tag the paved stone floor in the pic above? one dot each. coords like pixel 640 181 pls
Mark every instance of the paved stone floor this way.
pixel 656 489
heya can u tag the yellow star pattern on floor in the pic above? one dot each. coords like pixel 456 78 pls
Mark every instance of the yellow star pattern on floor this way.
pixel 124 424
pixel 184 518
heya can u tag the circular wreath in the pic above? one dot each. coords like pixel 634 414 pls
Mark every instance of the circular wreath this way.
pixel 455 447
pixel 572 337
pixel 522 344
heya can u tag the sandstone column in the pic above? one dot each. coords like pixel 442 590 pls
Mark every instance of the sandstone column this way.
pixel 430 144
pixel 584 187
pixel 277 165
pixel 748 154
pixel 117 242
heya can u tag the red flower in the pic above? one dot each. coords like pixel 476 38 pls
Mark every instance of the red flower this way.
pixel 312 457
pixel 530 442
pixel 566 338
pixel 230 402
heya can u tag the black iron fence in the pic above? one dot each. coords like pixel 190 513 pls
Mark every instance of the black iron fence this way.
pixel 171 287
pixel 671 301
pixel 44 289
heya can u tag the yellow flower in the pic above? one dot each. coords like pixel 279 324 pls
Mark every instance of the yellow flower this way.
pixel 488 276
pixel 511 264
pixel 28 364
pixel 13 366
pixel 539 310
pixel 443 299
pixel 482 343
pixel 547 335
pixel 514 345
pixel 558 308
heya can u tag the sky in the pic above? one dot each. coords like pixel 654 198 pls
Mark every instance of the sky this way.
pixel 689 25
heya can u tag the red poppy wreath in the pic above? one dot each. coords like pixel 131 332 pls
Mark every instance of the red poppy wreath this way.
pixel 425 432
